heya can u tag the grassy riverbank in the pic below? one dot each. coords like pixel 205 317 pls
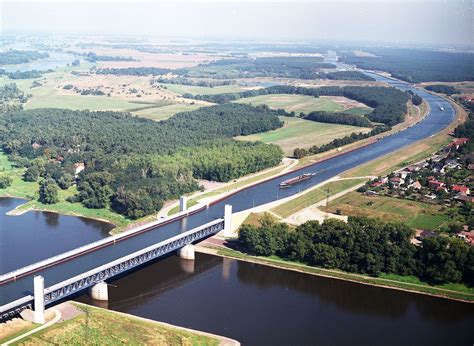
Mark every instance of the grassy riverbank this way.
pixel 404 283
pixel 95 326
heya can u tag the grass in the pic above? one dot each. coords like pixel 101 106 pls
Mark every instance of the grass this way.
pixel 198 90
pixel 358 110
pixel 29 191
pixel 296 103
pixel 414 214
pixel 165 112
pixel 300 133
pixel 315 195
pixel 452 291
pixel 101 327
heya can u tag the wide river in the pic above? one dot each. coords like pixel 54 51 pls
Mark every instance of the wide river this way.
pixel 259 305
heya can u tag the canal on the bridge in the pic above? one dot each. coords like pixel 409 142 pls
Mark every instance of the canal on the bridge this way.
pixel 260 305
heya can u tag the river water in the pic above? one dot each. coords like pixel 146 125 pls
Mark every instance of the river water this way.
pixel 259 305
pixel 35 235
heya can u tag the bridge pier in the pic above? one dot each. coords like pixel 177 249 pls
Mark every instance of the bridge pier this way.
pixel 38 283
pixel 187 252
pixel 99 291
pixel 227 220
pixel 183 203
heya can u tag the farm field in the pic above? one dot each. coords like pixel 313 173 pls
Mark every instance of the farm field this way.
pixel 165 112
pixel 300 133
pixel 414 214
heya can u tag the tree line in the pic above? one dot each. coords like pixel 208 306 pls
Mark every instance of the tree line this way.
pixel 13 57
pixel 133 71
pixel 365 246
pixel 443 89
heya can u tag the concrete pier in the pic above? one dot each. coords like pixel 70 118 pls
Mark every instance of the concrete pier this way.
pixel 183 203
pixel 187 252
pixel 99 291
pixel 227 220
pixel 39 299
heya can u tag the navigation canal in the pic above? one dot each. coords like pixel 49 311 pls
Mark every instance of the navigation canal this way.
pixel 260 305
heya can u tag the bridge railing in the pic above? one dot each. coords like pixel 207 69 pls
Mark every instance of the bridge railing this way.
pixel 15 274
pixel 119 266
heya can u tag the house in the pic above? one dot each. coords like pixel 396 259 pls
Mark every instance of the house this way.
pixel 384 180
pixel 396 181
pixel 416 185
pixel 79 167
pixel 464 198
pixel 470 166
pixel 458 143
pixel 460 188
pixel 371 193
pixel 376 184
pixel 467 237
pixel 435 184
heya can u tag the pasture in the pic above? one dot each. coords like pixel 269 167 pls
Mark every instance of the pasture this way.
pixel 165 112
pixel 300 133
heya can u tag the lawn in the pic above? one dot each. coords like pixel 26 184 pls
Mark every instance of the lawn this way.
pixel 198 90
pixel 414 214
pixel 300 133
pixel 296 103
pixel 165 112
pixel 102 327
pixel 316 195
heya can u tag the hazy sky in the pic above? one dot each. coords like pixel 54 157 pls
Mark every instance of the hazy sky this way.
pixel 423 21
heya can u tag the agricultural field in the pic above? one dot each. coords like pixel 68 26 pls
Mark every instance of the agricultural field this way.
pixel 164 112
pixel 414 214
pixel 300 133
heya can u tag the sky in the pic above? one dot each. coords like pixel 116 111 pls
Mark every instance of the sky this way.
pixel 402 21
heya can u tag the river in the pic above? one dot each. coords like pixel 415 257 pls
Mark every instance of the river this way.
pixel 35 235
pixel 260 305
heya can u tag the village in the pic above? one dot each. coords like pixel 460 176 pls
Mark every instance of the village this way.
pixel 445 179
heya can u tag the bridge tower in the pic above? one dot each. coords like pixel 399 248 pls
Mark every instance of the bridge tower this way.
pixel 38 283
pixel 227 220
pixel 99 291
pixel 183 203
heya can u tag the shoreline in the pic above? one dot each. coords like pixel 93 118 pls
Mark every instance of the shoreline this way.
pixel 334 274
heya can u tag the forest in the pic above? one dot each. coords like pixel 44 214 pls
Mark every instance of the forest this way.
pixel 134 164
pixel 93 57
pixel 390 104
pixel 365 246
pixel 23 75
pixel 11 97
pixel 338 118
pixel 12 57
pixel 416 66
pixel 186 81
pixel 287 67
pixel 443 89
pixel 348 75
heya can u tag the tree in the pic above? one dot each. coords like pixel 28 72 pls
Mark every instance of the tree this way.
pixel 48 192
pixel 5 181
pixel 31 174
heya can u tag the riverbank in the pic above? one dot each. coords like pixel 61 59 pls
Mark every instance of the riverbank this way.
pixel 78 323
pixel 435 291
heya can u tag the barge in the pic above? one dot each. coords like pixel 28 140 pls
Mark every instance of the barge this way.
pixel 296 180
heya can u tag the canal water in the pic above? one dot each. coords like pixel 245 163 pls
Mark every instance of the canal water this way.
pixel 34 236
pixel 259 305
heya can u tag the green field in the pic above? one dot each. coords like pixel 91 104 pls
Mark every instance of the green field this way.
pixel 300 133
pixel 296 103
pixel 198 90
pixel 162 113
pixel 414 214
pixel 358 110
pixel 102 327
pixel 316 195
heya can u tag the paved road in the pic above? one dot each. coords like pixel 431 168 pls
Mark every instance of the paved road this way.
pixel 266 192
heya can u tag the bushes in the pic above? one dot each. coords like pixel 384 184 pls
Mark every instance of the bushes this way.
pixel 5 181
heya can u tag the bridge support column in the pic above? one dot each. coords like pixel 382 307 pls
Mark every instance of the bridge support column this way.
pixel 187 252
pixel 38 283
pixel 99 291
pixel 227 220
pixel 183 203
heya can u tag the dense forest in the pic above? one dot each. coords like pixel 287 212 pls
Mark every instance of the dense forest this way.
pixel 338 118
pixel 287 67
pixel 133 71
pixel 33 74
pixel 417 66
pixel 11 97
pixel 134 164
pixel 363 245
pixel 12 57
pixel 389 104
pixel 348 75
pixel 443 89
